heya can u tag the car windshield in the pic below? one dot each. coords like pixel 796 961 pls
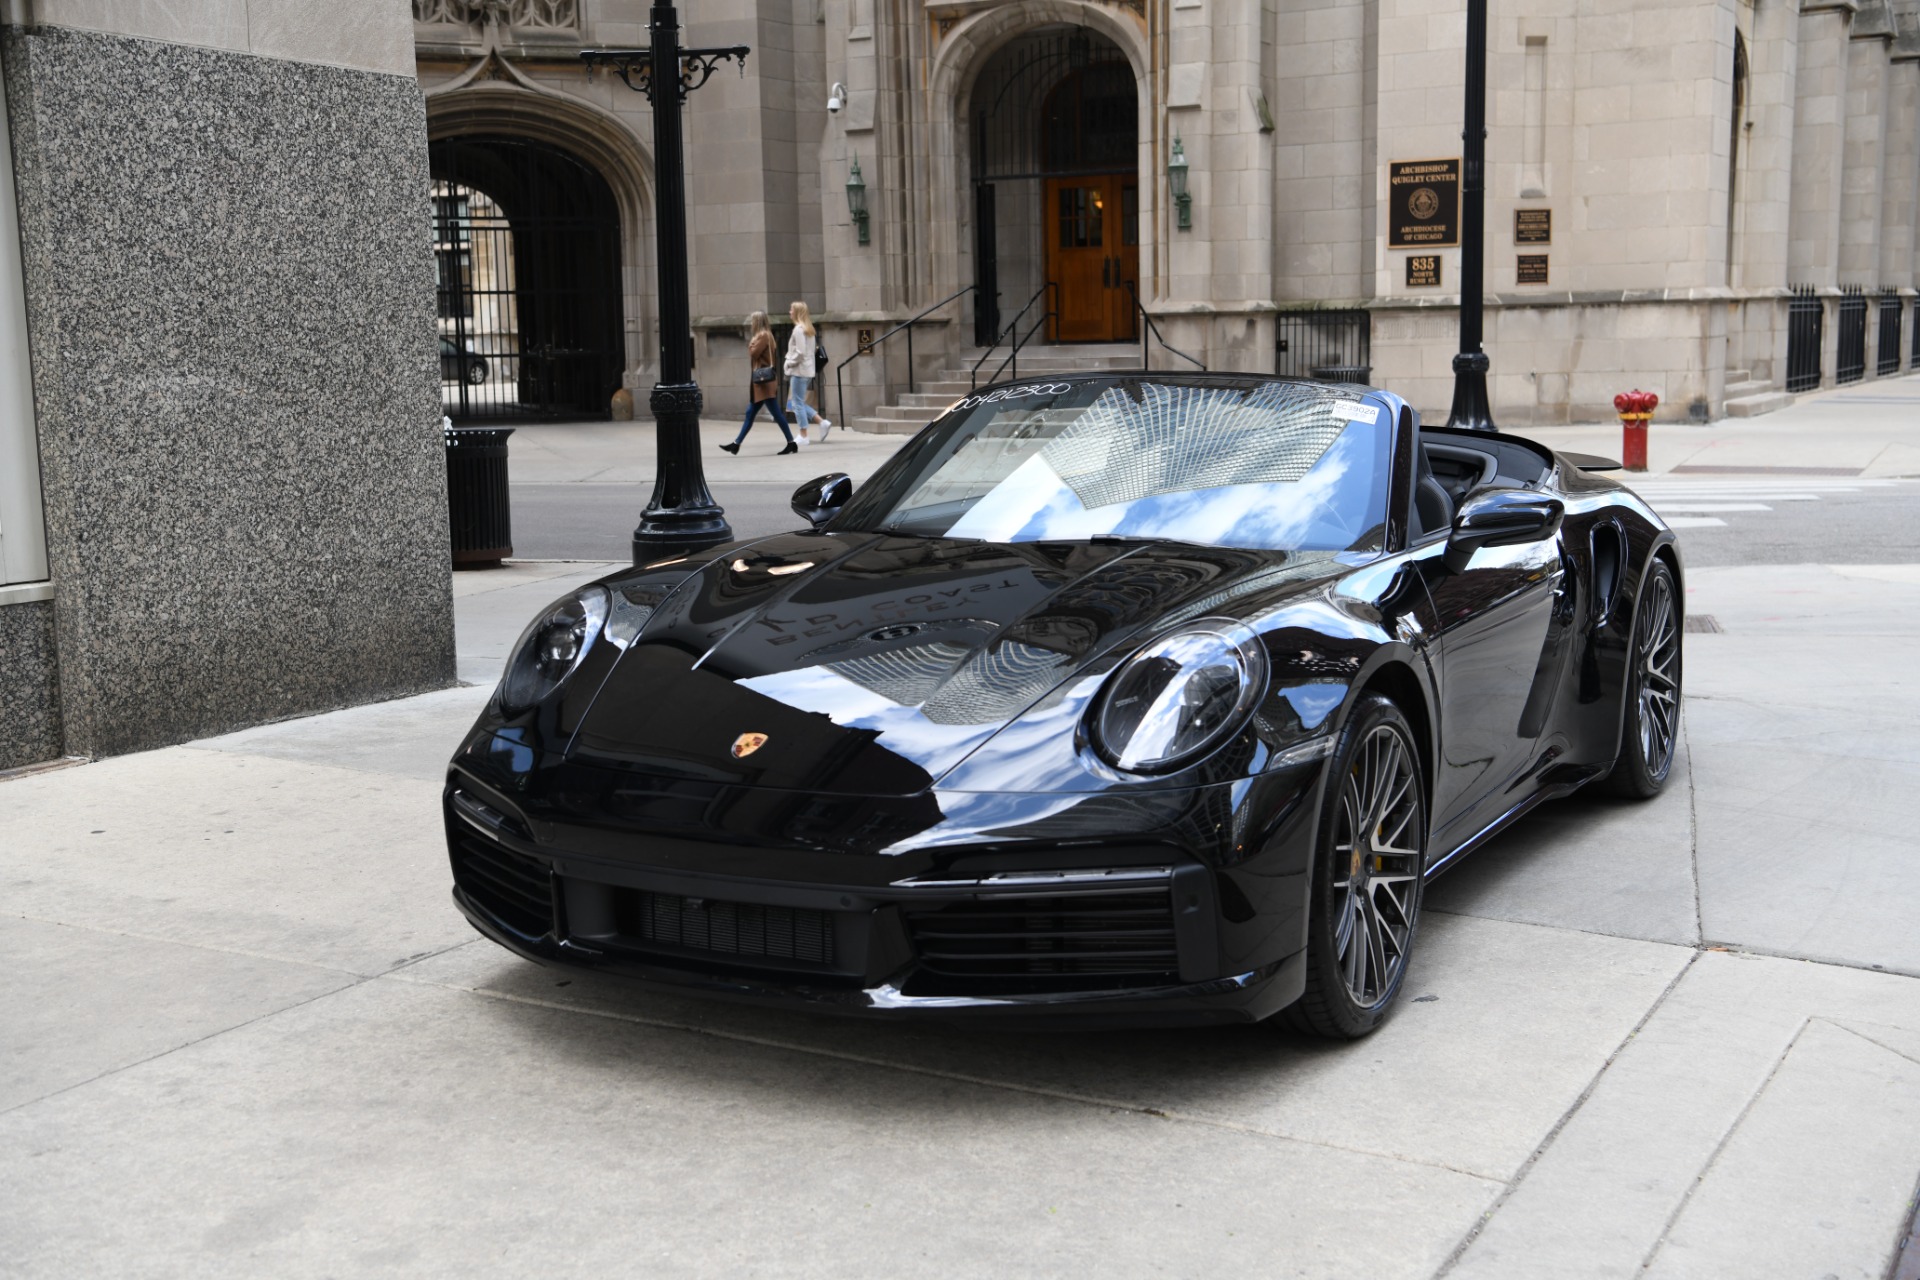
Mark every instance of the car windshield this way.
pixel 1257 464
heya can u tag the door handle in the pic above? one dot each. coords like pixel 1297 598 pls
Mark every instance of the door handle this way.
pixel 1106 273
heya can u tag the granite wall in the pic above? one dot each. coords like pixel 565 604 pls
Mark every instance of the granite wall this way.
pixel 29 685
pixel 230 300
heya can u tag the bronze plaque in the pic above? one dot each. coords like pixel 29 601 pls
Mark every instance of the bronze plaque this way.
pixel 863 341
pixel 1533 226
pixel 1423 271
pixel 1423 204
pixel 1532 268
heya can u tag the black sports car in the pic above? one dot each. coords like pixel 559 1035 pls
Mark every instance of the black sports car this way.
pixel 1132 697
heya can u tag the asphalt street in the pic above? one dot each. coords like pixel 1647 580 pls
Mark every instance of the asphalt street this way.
pixel 245 1033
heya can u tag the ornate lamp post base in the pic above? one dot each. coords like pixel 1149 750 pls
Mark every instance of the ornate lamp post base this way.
pixel 682 515
pixel 1471 407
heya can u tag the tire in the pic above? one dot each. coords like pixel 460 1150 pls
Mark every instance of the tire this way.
pixel 1372 783
pixel 476 373
pixel 1650 716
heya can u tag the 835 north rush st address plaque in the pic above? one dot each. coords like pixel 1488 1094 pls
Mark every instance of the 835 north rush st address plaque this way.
pixel 1423 204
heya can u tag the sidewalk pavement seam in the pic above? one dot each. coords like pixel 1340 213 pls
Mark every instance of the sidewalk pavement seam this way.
pixel 1831 962
pixel 1513 1184
pixel 961 1077
pixel 1693 828
pixel 1854 1030
pixel 205 946
pixel 318 764
pixel 1713 1158
pixel 1570 928
pixel 355 980
pixel 186 1044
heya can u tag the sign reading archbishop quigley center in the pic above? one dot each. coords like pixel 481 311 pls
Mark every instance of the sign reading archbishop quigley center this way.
pixel 1423 204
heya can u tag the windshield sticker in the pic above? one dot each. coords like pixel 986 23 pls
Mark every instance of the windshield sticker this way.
pixel 1014 393
pixel 1347 411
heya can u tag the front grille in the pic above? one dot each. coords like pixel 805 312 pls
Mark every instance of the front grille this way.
pixel 1076 942
pixel 515 890
pixel 714 927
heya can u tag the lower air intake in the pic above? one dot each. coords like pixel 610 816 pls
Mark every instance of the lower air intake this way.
pixel 516 891
pixel 1066 942
pixel 743 929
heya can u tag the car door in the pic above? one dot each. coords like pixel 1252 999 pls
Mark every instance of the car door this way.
pixel 1491 617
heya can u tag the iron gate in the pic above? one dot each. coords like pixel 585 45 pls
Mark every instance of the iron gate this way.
pixel 1850 363
pixel 1806 317
pixel 1332 346
pixel 527 251
pixel 1890 310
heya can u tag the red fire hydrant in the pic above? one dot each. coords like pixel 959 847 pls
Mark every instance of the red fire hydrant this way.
pixel 1634 407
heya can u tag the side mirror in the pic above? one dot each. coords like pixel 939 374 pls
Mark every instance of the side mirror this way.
pixel 820 499
pixel 1501 518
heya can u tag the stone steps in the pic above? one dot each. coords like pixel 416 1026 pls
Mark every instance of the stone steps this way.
pixel 1738 388
pixel 1752 406
pixel 914 409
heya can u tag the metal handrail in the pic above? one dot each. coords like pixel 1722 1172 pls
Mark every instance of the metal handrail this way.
pixel 839 387
pixel 1012 329
pixel 1145 367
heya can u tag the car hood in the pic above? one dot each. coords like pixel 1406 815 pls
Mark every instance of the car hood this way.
pixel 868 664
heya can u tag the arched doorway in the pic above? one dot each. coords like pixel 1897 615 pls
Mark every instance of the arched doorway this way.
pixel 527 250
pixel 1056 186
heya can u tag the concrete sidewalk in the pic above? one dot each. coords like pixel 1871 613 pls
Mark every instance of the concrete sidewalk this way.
pixel 246 1033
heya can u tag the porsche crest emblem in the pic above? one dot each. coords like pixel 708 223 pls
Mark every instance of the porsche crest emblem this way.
pixel 748 743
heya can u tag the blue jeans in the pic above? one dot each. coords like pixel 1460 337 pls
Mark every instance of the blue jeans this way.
pixel 753 411
pixel 797 401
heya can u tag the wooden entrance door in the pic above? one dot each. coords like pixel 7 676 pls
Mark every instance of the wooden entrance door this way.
pixel 1093 250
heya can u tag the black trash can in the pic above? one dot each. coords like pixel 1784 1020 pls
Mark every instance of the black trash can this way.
pixel 1358 373
pixel 478 507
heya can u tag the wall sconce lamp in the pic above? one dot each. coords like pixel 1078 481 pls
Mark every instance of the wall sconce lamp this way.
pixel 857 199
pixel 1177 183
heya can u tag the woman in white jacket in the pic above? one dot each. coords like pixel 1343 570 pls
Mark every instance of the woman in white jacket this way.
pixel 799 370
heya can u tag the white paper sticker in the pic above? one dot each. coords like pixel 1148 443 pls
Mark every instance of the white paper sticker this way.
pixel 1348 411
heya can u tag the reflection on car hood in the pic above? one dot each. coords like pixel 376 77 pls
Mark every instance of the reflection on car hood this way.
pixel 873 664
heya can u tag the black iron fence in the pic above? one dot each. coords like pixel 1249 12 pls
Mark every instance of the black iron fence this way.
pixel 527 248
pixel 1332 346
pixel 1890 311
pixel 1913 356
pixel 1805 321
pixel 1850 362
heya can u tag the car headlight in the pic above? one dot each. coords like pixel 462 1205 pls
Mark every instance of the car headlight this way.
pixel 1178 698
pixel 551 648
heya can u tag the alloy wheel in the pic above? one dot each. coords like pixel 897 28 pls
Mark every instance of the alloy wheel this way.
pixel 1378 840
pixel 1656 651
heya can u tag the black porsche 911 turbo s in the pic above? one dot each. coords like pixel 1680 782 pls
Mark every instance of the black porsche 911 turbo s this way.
pixel 1124 698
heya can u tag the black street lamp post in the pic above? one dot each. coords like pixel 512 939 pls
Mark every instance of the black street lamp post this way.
pixel 682 515
pixel 1471 408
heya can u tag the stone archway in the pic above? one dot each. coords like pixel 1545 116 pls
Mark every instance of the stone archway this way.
pixel 954 76
pixel 471 106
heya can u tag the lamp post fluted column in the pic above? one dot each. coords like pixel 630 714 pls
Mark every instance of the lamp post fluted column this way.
pixel 682 515
pixel 1471 407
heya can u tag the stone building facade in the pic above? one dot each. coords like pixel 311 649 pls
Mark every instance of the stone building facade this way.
pixel 222 486
pixel 1681 169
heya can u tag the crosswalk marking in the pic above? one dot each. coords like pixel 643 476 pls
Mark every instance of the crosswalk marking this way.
pixel 1690 503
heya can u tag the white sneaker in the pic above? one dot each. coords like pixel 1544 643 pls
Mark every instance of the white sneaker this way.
pixel 825 427
pixel 801 439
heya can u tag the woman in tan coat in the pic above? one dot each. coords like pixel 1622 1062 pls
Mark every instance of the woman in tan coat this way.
pixel 763 382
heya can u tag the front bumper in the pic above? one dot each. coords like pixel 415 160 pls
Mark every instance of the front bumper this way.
pixel 1131 944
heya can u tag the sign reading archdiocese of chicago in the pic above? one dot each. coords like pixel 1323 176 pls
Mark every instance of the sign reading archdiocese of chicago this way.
pixel 1530 268
pixel 1423 204
pixel 1533 226
pixel 1423 271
